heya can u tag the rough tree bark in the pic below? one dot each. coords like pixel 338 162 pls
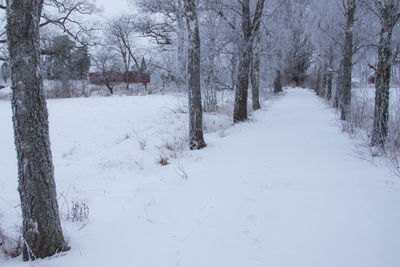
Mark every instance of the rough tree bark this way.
pixel 196 139
pixel 389 15
pixel 348 52
pixel 250 28
pixel 255 75
pixel 339 87
pixel 241 93
pixel 42 232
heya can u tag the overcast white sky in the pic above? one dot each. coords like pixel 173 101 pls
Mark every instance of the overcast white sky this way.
pixel 114 7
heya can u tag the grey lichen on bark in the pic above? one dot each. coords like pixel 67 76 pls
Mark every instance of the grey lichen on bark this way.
pixel 42 232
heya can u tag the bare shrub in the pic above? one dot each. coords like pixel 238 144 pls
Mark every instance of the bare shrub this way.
pixel 210 102
pixel 181 171
pixel 362 111
pixel 174 146
pixel 142 140
pixel 66 88
pixel 78 212
pixel 392 146
pixel 360 122
pixel 181 105
pixel 219 121
pixel 163 160
pixel 10 246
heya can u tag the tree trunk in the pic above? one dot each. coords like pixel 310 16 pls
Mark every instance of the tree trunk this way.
pixel 278 82
pixel 233 71
pixel 196 139
pixel 322 92
pixel 318 84
pixel 382 87
pixel 339 88
pixel 329 80
pixel 181 46
pixel 234 61
pixel 41 223
pixel 127 80
pixel 110 88
pixel 345 99
pixel 250 29
pixel 255 76
pixel 241 93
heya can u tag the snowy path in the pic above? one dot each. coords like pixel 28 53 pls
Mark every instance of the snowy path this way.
pixel 284 191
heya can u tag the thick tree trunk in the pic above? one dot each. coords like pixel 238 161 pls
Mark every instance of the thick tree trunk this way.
pixel 255 76
pixel 339 88
pixel 382 87
pixel 250 29
pixel 241 93
pixel 345 99
pixel 196 139
pixel 41 223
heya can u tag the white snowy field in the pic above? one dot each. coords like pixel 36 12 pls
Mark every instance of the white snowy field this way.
pixel 285 190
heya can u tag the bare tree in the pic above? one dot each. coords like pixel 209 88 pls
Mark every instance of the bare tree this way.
pixel 388 13
pixel 120 33
pixel 106 64
pixel 349 7
pixel 196 139
pixel 164 21
pixel 250 27
pixel 66 18
pixel 42 232
pixel 350 33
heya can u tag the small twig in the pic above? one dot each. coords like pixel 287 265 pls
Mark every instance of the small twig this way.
pixel 375 69
pixel 182 172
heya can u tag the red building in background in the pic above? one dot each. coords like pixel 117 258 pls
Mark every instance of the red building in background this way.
pixel 119 77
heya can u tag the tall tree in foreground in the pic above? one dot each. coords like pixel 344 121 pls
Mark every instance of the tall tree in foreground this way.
pixel 250 28
pixel 196 139
pixel 41 223
pixel 349 7
pixel 388 13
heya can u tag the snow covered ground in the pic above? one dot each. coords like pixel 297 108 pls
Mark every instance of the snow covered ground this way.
pixel 5 92
pixel 286 189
